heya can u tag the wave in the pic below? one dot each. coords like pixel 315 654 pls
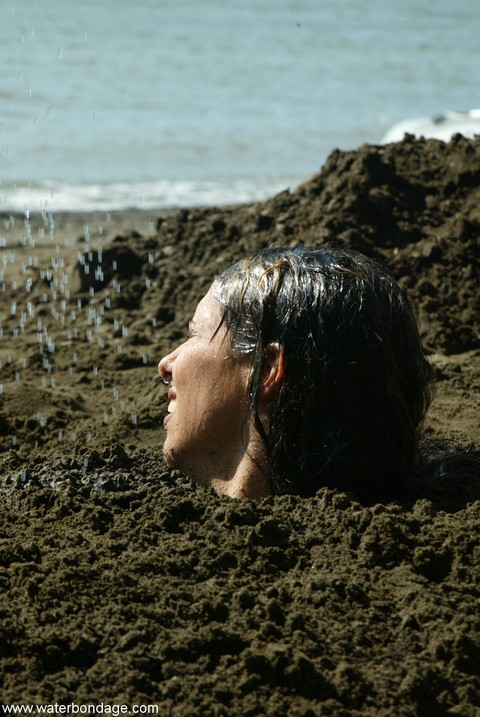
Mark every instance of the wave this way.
pixel 56 196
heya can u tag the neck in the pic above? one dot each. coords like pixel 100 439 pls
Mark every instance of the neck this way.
pixel 241 472
pixel 249 481
pixel 238 470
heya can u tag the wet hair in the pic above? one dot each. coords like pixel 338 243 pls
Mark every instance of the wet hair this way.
pixel 357 382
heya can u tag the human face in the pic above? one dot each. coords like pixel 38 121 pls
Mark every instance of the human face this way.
pixel 208 406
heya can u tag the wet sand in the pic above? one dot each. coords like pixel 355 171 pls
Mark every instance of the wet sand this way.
pixel 122 581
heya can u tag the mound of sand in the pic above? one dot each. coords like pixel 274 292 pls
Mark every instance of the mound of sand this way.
pixel 122 581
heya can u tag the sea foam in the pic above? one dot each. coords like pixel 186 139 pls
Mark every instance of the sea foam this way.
pixel 55 196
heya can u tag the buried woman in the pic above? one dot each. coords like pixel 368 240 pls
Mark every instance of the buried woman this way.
pixel 303 368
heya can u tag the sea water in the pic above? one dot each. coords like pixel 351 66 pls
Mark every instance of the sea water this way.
pixel 116 104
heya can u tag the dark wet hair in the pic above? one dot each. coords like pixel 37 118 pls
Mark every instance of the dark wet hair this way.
pixel 357 382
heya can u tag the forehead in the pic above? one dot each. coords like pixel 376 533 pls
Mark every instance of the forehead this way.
pixel 208 312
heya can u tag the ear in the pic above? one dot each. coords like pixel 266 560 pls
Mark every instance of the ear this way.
pixel 274 371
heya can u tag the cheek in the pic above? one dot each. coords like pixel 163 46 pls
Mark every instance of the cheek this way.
pixel 188 371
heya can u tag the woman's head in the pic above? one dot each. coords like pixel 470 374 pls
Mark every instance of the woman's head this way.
pixel 328 382
pixel 355 383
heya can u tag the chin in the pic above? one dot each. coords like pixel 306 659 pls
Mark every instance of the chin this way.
pixel 169 457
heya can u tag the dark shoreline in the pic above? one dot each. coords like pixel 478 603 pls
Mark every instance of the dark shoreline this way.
pixel 72 224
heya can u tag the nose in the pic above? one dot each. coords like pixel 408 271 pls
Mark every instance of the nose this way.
pixel 165 368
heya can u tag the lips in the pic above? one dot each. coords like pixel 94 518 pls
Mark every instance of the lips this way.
pixel 172 397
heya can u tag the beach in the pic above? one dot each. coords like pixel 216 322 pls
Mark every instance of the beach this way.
pixel 122 582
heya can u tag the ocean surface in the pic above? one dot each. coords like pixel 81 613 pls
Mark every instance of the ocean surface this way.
pixel 116 104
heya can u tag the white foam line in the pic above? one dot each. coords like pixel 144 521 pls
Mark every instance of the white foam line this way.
pixel 55 196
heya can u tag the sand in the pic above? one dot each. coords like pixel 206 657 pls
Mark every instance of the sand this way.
pixel 124 583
